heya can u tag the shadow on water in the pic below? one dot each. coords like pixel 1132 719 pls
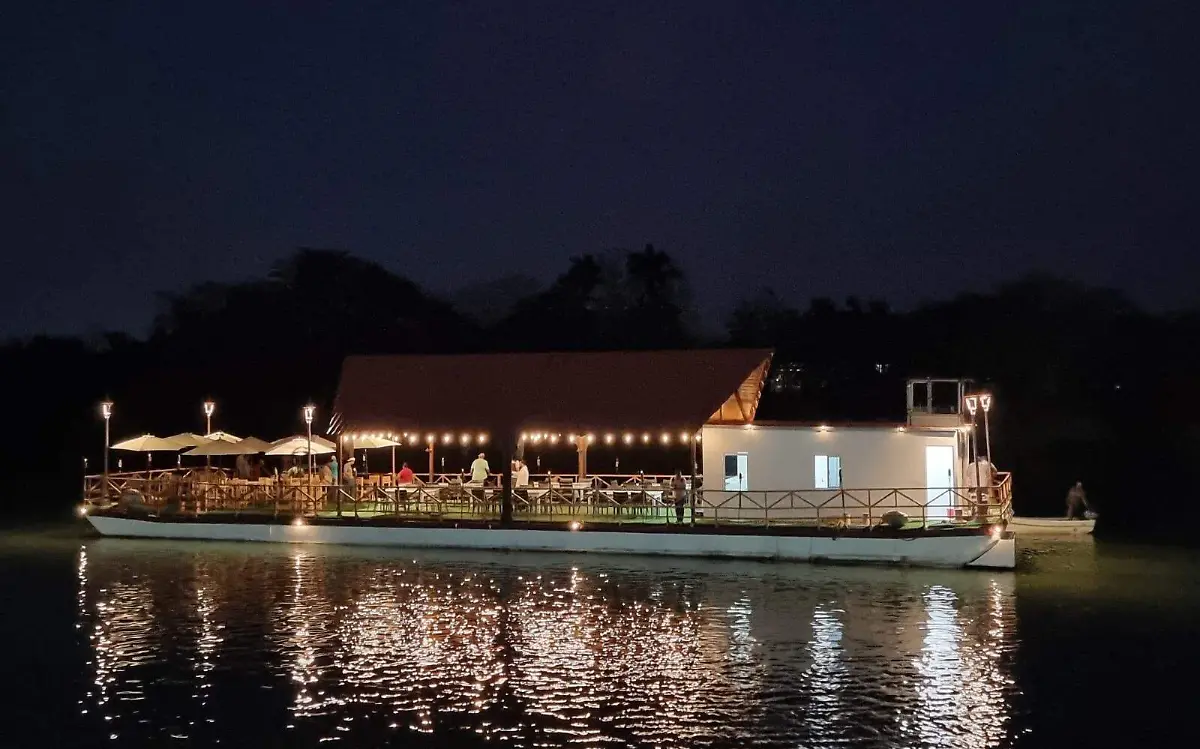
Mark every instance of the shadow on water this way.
pixel 154 642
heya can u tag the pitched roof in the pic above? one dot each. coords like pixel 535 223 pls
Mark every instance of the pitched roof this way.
pixel 637 390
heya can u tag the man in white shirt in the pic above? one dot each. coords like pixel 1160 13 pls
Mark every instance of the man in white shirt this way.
pixel 522 477
pixel 480 470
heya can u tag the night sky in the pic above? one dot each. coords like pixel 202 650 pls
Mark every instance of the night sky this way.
pixel 905 150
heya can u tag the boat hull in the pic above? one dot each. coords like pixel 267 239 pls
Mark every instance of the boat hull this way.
pixel 1052 526
pixel 983 550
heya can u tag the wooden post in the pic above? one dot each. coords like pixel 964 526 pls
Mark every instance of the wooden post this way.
pixel 506 481
pixel 430 451
pixel 581 446
pixel 341 480
pixel 693 492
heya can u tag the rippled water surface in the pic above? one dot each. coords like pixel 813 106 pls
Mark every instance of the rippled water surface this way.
pixel 134 643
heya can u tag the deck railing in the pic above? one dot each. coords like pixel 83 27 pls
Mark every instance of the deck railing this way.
pixel 199 492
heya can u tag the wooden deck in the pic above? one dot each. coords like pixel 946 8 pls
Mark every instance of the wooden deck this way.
pixel 633 500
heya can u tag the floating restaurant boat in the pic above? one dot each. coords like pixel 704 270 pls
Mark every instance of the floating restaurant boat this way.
pixel 906 493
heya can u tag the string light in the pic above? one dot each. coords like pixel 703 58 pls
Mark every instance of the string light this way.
pixel 591 438
pixel 570 438
pixel 646 438
pixel 466 439
pixel 429 438
pixel 524 436
pixel 554 439
pixel 666 438
pixel 683 437
pixel 483 439
pixel 628 438
pixel 447 437
pixel 608 439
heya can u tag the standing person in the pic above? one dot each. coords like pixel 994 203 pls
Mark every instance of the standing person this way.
pixel 522 477
pixel 334 471
pixel 327 472
pixel 679 494
pixel 480 469
pixel 242 467
pixel 349 485
pixel 1076 501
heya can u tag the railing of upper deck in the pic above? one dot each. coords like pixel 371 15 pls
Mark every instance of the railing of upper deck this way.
pixel 599 499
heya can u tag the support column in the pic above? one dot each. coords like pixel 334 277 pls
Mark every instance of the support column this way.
pixel 581 448
pixel 692 493
pixel 507 451
pixel 430 451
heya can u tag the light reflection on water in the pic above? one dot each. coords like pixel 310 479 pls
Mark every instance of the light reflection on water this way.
pixel 234 643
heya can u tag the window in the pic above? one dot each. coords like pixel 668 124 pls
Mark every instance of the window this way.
pixel 827 472
pixel 736 472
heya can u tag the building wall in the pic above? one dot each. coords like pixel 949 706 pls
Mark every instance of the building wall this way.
pixel 781 474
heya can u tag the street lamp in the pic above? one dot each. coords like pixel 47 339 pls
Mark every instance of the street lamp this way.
pixel 972 407
pixel 309 411
pixel 209 407
pixel 106 412
pixel 985 402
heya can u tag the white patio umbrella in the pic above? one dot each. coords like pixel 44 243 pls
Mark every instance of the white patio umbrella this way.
pixel 187 439
pixel 298 445
pixel 223 437
pixel 247 446
pixel 369 442
pixel 147 443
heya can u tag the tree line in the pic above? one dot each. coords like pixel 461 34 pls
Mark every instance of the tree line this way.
pixel 1087 385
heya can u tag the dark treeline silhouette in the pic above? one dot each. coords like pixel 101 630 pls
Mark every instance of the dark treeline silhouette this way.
pixel 1087 385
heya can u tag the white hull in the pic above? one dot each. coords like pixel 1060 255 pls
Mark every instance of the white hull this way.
pixel 1052 526
pixel 983 551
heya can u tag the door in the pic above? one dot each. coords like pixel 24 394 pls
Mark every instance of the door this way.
pixel 939 480
pixel 736 472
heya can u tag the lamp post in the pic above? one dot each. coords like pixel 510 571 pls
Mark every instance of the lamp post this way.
pixel 106 411
pixel 972 407
pixel 985 402
pixel 309 410
pixel 209 408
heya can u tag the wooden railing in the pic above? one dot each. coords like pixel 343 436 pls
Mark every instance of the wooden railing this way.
pixel 199 492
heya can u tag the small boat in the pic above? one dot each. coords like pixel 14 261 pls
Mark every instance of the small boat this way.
pixel 1052 526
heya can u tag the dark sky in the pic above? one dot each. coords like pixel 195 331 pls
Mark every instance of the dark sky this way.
pixel 898 149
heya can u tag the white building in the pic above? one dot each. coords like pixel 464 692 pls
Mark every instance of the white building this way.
pixel 792 470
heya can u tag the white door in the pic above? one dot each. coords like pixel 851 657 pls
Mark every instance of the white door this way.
pixel 939 480
pixel 737 469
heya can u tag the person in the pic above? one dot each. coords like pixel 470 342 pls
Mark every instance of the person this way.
pixel 242 467
pixel 406 475
pixel 480 469
pixel 349 485
pixel 327 472
pixel 1076 501
pixel 679 492
pixel 522 477
pixel 333 471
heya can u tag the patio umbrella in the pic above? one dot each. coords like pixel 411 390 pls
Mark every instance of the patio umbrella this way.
pixel 368 442
pixel 298 445
pixel 147 443
pixel 222 437
pixel 247 446
pixel 187 439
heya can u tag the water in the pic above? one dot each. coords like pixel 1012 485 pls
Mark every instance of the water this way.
pixel 139 643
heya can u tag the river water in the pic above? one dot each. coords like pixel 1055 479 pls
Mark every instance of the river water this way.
pixel 142 643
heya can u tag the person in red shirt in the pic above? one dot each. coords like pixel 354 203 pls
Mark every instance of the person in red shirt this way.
pixel 406 475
